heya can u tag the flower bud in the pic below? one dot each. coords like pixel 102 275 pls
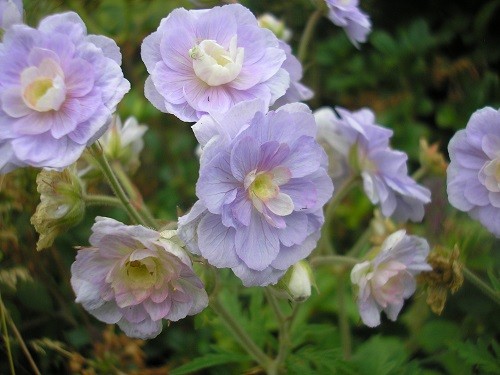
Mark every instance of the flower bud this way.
pixel 381 227
pixel 296 284
pixel 61 205
pixel 278 27
pixel 431 159
pixel 124 143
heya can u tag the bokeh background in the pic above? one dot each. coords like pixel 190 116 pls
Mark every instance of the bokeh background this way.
pixel 427 66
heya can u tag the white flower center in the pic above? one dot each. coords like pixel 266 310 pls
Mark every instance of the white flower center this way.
pixel 214 64
pixel 490 175
pixel 263 190
pixel 43 87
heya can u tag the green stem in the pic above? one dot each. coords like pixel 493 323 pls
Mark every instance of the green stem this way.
pixel 20 340
pixel 481 285
pixel 326 236
pixel 345 330
pixel 308 34
pixel 102 200
pixel 419 173
pixel 106 169
pixel 274 305
pixel 6 337
pixel 334 260
pixel 243 338
pixel 284 338
pixel 134 195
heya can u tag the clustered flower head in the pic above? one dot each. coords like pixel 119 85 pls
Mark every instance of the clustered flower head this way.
pixel 262 186
pixel 385 281
pixel 58 90
pixel 136 277
pixel 474 170
pixel 11 12
pixel 206 61
pixel 361 146
pixel 346 14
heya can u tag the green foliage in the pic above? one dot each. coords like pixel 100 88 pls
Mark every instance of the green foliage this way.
pixel 209 360
pixel 484 357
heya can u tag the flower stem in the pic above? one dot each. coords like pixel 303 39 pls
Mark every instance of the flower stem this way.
pixel 106 169
pixel 326 235
pixel 419 173
pixel 6 337
pixel 134 194
pixel 102 200
pixel 19 338
pixel 308 33
pixel 481 285
pixel 345 330
pixel 334 260
pixel 243 338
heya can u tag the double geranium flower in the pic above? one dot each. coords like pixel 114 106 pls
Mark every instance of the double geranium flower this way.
pixel 205 61
pixel 262 186
pixel 58 89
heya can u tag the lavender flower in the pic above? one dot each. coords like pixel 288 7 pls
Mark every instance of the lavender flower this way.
pixel 389 278
pixel 359 145
pixel 58 89
pixel 297 92
pixel 11 12
pixel 261 190
pixel 135 277
pixel 474 170
pixel 346 14
pixel 205 61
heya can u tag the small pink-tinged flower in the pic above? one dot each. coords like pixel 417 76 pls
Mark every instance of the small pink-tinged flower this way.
pixel 136 277
pixel 387 280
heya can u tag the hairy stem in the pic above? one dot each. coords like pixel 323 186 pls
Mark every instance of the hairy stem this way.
pixel 6 337
pixel 134 194
pixel 334 260
pixel 481 285
pixel 345 329
pixel 326 235
pixel 102 200
pixel 243 338
pixel 106 169
pixel 308 33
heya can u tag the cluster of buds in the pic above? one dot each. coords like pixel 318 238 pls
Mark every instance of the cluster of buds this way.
pixel 446 275
pixel 61 204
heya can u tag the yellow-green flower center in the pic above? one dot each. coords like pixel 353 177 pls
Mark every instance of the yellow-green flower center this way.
pixel 37 89
pixel 264 187
pixel 142 275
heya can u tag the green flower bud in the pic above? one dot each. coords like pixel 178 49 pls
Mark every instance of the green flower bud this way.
pixel 61 205
pixel 269 21
pixel 297 282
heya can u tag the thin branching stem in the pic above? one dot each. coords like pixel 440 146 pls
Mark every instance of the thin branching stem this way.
pixel 241 335
pixel 481 285
pixel 115 185
pixel 6 337
pixel 20 340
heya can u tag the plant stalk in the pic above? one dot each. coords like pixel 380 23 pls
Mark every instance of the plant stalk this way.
pixel 481 285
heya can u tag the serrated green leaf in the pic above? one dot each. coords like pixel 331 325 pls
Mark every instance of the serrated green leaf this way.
pixel 209 360
pixel 479 355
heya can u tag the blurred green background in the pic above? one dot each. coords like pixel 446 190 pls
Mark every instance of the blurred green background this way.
pixel 427 66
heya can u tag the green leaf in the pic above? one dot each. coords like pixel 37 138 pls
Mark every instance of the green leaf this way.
pixel 35 296
pixel 480 355
pixel 381 356
pixel 209 360
pixel 438 334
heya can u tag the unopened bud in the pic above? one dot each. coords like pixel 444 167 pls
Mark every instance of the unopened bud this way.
pixel 431 159
pixel 61 204
pixel 297 282
pixel 278 27
pixel 124 143
pixel 381 227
